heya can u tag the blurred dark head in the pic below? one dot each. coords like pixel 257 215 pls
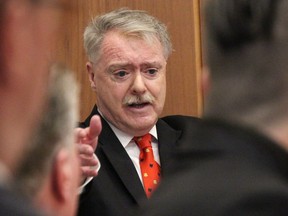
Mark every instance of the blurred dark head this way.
pixel 246 47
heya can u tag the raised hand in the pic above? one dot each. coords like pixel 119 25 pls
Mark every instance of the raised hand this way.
pixel 87 140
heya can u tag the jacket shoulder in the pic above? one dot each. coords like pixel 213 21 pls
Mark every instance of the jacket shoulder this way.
pixel 181 122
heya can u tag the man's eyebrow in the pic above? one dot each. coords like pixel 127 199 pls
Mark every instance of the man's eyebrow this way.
pixel 130 65
pixel 152 64
pixel 120 65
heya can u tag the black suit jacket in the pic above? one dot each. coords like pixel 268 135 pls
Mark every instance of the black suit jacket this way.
pixel 224 170
pixel 117 190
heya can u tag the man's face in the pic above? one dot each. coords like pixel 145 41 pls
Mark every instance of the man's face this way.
pixel 130 82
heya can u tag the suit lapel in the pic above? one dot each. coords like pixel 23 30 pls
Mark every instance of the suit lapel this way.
pixel 167 139
pixel 121 162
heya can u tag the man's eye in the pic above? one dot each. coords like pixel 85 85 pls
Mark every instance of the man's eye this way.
pixel 121 73
pixel 151 72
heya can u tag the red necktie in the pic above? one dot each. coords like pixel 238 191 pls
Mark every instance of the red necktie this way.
pixel 150 169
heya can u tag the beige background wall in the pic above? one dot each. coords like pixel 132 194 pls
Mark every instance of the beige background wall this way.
pixel 183 68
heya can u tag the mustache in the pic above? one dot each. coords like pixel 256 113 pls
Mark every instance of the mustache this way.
pixel 138 99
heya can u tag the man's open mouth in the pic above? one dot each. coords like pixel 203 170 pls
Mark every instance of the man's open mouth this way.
pixel 141 105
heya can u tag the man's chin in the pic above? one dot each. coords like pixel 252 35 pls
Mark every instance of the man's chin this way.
pixel 143 123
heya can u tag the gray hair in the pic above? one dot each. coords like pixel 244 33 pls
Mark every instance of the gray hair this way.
pixel 55 131
pixel 134 23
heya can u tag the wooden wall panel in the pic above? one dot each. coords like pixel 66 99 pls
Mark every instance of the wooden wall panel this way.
pixel 183 68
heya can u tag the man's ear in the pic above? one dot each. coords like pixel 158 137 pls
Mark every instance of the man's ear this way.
pixel 61 176
pixel 205 80
pixel 91 75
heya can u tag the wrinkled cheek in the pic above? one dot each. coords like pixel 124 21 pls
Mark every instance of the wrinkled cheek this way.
pixel 161 99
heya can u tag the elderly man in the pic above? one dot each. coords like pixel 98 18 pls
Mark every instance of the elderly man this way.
pixel 128 52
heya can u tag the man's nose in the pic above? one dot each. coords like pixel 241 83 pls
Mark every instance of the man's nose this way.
pixel 138 85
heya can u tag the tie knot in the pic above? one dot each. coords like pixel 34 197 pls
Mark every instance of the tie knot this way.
pixel 143 141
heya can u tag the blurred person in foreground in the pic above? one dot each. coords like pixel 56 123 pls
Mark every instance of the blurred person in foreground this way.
pixel 238 161
pixel 50 172
pixel 128 52
pixel 29 29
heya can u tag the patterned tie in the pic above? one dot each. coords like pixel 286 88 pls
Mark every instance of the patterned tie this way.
pixel 150 169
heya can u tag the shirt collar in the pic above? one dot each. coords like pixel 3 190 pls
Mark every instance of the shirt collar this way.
pixel 125 138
